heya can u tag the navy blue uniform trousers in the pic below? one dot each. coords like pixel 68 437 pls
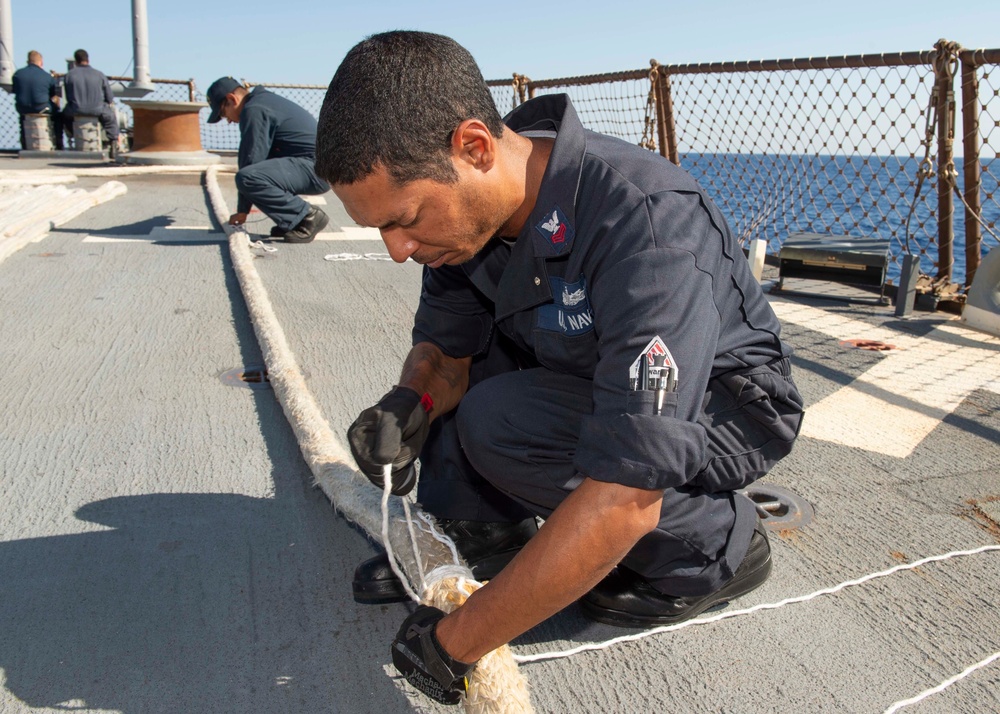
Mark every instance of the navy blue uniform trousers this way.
pixel 273 186
pixel 507 453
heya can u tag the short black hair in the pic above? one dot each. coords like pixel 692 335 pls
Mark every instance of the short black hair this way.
pixel 81 56
pixel 395 101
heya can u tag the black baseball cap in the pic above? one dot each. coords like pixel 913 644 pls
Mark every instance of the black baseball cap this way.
pixel 216 95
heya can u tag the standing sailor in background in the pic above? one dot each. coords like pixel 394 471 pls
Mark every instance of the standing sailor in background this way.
pixel 37 92
pixel 88 93
pixel 276 157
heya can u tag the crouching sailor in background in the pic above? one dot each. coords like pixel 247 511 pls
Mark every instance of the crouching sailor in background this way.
pixel 277 150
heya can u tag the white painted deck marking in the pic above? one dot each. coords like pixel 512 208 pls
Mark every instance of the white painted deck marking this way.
pixel 182 234
pixel 163 234
pixel 352 233
pixel 896 403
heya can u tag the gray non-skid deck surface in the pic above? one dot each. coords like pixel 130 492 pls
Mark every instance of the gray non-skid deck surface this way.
pixel 161 548
pixel 123 597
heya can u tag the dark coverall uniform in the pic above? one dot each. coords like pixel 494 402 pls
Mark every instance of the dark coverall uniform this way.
pixel 88 92
pixel 622 247
pixel 33 89
pixel 276 158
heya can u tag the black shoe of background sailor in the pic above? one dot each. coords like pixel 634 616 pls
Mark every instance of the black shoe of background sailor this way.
pixel 625 599
pixel 277 232
pixel 486 547
pixel 315 221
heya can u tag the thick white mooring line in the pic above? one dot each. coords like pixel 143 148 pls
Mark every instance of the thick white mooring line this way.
pixel 29 212
pixel 496 686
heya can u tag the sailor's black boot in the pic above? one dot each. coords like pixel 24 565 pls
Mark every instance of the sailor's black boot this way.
pixel 486 547
pixel 625 599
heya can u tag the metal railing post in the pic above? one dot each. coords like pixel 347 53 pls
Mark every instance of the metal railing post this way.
pixel 6 46
pixel 520 82
pixel 665 114
pixel 972 168
pixel 944 78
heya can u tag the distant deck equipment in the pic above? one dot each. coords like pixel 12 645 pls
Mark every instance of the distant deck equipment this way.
pixel 87 133
pixel 859 262
pixel 38 132
pixel 167 133
pixel 982 307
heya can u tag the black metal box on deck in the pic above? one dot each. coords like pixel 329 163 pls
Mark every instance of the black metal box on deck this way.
pixel 839 259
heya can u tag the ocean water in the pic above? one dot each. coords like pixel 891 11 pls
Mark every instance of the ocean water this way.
pixel 771 196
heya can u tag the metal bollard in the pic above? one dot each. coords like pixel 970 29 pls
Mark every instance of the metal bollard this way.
pixel 87 133
pixel 906 294
pixel 38 132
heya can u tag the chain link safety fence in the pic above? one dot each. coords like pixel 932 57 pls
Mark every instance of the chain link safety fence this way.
pixel 223 136
pixel 166 90
pixel 828 151
pixel 864 145
pixel 837 146
pixel 980 138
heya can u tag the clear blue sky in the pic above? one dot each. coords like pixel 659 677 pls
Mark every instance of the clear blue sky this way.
pixel 300 41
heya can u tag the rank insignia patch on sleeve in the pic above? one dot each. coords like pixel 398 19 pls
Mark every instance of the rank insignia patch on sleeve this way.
pixel 556 230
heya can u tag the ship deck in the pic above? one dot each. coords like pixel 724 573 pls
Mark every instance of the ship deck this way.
pixel 163 547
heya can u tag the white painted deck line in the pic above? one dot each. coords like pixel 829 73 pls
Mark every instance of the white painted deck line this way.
pixel 161 234
pixel 180 234
pixel 352 233
pixel 894 405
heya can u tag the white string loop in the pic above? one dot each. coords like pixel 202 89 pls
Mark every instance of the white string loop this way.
pixel 738 613
pixel 944 685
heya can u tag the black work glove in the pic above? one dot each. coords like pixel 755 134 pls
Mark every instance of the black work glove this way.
pixel 391 432
pixel 418 656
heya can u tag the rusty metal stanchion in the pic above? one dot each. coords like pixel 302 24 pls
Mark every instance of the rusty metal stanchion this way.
pixel 944 68
pixel 972 169
pixel 520 83
pixel 664 112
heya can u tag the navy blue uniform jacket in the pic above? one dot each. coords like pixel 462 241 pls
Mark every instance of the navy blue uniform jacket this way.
pixel 622 247
pixel 272 127
pixel 87 91
pixel 33 90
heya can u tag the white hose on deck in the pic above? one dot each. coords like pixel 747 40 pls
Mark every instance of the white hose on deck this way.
pixel 28 215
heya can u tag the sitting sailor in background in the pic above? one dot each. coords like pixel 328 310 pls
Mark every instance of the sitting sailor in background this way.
pixel 88 93
pixel 37 92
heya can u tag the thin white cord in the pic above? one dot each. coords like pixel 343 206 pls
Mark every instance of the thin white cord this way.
pixel 337 257
pixel 736 613
pixel 386 490
pixel 413 540
pixel 261 246
pixel 944 685
pixel 440 537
